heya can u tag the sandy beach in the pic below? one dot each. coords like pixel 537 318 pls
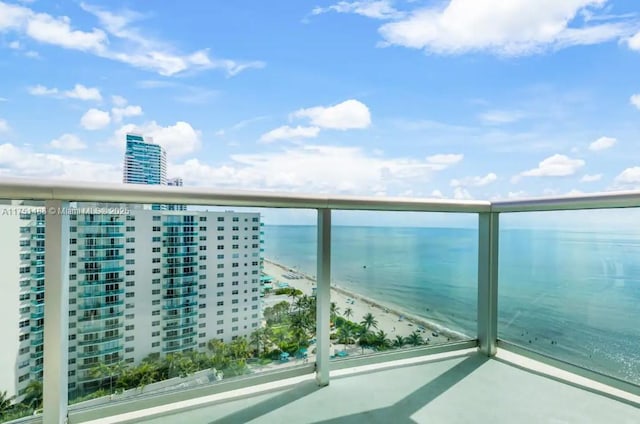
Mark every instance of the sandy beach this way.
pixel 390 320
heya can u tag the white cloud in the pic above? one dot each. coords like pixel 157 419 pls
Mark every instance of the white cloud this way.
pixel 118 113
pixel 286 132
pixel 634 42
pixel 461 193
pixel 376 9
pixel 178 140
pixel 15 45
pixel 83 93
pixel 514 27
pixel 15 161
pixel 68 142
pixel 304 168
pixel 443 161
pixel 126 44
pixel 496 117
pixel 474 181
pixel 587 178
pixel 95 119
pixel 350 114
pixel 4 126
pixel 41 90
pixel 79 92
pixel 119 101
pixel 628 179
pixel 602 143
pixel 437 194
pixel 555 166
pixel 635 100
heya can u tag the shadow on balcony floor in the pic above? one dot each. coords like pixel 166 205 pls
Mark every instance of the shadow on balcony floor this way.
pixel 463 389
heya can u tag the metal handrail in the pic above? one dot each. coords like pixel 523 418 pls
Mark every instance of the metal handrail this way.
pixel 36 189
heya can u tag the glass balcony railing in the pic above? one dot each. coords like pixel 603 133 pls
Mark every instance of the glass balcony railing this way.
pixel 344 286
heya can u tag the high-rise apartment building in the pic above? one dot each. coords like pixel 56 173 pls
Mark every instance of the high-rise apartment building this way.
pixel 146 282
pixel 144 161
pixel 176 182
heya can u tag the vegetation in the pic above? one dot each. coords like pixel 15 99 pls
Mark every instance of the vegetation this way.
pixel 290 329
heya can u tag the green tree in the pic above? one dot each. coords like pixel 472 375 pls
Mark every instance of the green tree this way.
pixel 369 321
pixel 348 313
pixel 333 313
pixel 414 339
pixel 399 341
pixel 5 403
pixel 381 341
pixel 33 394
pixel 260 338
pixel 345 335
pixel 102 371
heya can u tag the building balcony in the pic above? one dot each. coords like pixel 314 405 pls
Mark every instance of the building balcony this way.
pixel 179 295
pixel 179 337
pixel 100 340
pixel 181 305
pixel 178 325
pixel 101 235
pixel 100 317
pixel 101 270
pixel 100 293
pixel 101 258
pixel 493 350
pixel 179 254
pixel 179 348
pixel 83 329
pixel 180 274
pixel 102 281
pixel 100 352
pixel 100 246
pixel 180 233
pixel 182 284
pixel 99 305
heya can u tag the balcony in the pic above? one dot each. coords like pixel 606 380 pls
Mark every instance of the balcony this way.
pixel 496 372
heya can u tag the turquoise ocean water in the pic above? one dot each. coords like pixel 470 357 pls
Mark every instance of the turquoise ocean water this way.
pixel 572 295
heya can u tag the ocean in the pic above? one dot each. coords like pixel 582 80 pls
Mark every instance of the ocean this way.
pixel 572 295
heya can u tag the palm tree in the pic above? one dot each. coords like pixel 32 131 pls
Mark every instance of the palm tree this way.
pixel 369 321
pixel 259 339
pixel 399 341
pixel 414 339
pixel 102 371
pixel 33 394
pixel 381 341
pixel 5 403
pixel 345 335
pixel 348 313
pixel 333 313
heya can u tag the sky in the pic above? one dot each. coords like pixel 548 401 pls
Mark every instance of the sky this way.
pixel 455 99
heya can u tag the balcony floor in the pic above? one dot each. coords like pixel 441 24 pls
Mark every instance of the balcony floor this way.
pixel 461 389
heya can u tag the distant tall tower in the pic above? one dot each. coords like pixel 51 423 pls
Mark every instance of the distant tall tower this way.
pixel 176 182
pixel 144 162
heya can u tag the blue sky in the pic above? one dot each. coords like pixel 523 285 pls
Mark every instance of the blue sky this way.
pixel 480 99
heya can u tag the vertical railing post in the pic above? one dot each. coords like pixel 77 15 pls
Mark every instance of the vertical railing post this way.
pixel 56 313
pixel 323 297
pixel 488 231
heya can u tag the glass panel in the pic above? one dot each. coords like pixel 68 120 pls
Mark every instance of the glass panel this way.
pixel 570 287
pixel 399 279
pixel 22 256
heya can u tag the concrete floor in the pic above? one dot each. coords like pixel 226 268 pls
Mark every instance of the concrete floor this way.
pixel 467 389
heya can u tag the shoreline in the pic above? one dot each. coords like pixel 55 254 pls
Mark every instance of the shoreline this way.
pixel 384 311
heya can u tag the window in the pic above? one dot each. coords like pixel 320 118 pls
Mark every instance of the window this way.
pixel 155 239
pixel 130 283
pixel 156 218
pixel 129 350
pixel 220 285
pixel 131 239
pixel 221 331
pixel 128 339
pixel 221 219
pixel 155 302
pixel 220 303
pixel 155 291
pixel 155 323
pixel 156 228
pixel 155 250
pixel 155 334
pixel 155 260
pixel 130 294
pixel 129 327
pixel 156 312
pixel 203 219
pixel 220 313
pixel 220 228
